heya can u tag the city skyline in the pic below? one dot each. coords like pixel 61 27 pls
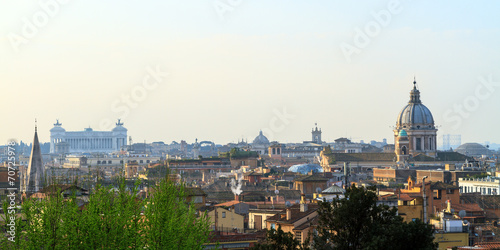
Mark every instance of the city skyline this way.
pixel 221 72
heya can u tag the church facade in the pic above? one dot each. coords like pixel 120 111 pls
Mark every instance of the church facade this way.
pixel 415 132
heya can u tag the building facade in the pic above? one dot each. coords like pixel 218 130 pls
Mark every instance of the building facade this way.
pixel 484 186
pixel 88 141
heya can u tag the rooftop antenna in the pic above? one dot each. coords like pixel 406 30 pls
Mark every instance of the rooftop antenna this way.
pixel 35 125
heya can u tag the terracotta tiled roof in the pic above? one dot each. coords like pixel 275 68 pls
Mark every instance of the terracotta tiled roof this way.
pixel 442 186
pixel 307 224
pixel 228 204
pixel 356 157
pixel 296 214
pixel 406 197
pixel 488 245
pixel 473 207
pixel 252 174
pixel 438 185
pixel 311 178
pixel 484 201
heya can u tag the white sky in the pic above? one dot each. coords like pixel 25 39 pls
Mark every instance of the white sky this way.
pixel 228 76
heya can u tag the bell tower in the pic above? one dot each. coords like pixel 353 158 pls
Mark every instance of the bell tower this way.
pixel 316 135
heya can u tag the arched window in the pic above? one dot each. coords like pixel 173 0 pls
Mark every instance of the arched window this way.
pixel 404 150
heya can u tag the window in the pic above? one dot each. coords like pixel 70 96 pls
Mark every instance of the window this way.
pixel 198 199
pixel 223 214
pixel 121 161
pixel 109 162
pixel 298 236
pixel 273 226
pixel 140 161
pixel 98 162
pixel 419 144
pixel 437 195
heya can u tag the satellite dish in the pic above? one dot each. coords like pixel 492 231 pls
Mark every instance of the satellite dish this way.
pixel 276 191
pixel 462 213
pixel 288 204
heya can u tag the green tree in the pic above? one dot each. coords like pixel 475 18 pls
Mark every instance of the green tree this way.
pixel 113 218
pixel 356 222
pixel 170 224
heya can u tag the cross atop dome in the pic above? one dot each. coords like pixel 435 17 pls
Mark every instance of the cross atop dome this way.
pixel 415 93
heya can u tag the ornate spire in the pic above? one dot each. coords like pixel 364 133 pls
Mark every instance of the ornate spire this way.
pixel 415 93
pixel 33 180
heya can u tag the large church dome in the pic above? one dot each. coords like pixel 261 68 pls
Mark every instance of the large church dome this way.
pixel 415 114
pixel 261 139
pixel 415 132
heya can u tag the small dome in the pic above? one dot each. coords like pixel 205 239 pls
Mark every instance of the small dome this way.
pixel 119 128
pixel 261 139
pixel 57 129
pixel 403 133
pixel 333 190
pixel 473 149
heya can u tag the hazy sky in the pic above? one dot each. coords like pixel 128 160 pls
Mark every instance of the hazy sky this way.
pixel 222 70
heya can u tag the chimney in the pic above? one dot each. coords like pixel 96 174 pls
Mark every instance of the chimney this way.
pixel 288 214
pixel 303 205
pixel 236 197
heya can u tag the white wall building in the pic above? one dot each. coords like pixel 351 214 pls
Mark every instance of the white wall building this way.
pixel 89 140
pixel 485 186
